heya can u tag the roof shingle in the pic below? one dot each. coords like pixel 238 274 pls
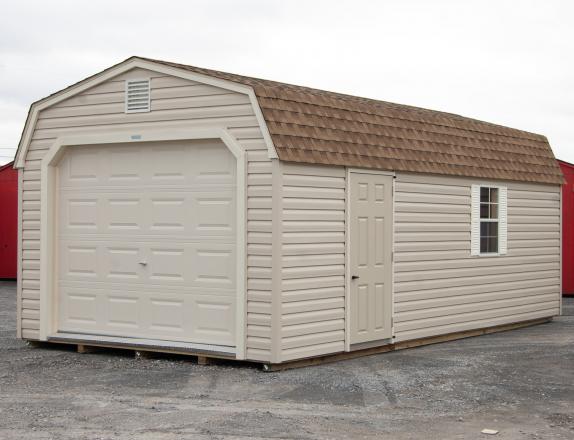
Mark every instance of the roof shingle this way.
pixel 315 126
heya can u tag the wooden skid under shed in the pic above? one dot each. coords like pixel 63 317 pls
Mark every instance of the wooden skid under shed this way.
pixel 401 345
pixel 207 358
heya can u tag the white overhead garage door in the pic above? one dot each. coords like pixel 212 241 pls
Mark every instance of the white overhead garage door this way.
pixel 147 241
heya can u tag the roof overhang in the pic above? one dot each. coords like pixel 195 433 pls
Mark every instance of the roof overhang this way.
pixel 118 69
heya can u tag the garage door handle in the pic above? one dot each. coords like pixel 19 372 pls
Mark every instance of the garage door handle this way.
pixel 143 263
pixel 355 277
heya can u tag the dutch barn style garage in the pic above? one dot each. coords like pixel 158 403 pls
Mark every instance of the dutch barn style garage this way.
pixel 173 207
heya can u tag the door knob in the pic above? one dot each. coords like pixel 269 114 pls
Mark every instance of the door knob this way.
pixel 355 277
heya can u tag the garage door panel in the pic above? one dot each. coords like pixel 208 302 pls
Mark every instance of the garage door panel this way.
pixel 124 167
pixel 170 164
pixel 80 213
pixel 216 213
pixel 147 241
pixel 201 265
pixel 143 313
pixel 121 263
pixel 217 166
pixel 123 310
pixel 124 213
pixel 82 167
pixel 214 266
pixel 79 261
pixel 81 308
pixel 170 213
pixel 215 318
pixel 151 164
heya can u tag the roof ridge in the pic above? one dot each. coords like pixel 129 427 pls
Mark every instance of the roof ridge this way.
pixel 345 96
pixel 6 165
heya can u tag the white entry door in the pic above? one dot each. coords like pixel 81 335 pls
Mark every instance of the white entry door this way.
pixel 147 241
pixel 370 235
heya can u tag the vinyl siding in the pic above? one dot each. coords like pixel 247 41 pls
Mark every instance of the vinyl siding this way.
pixel 259 246
pixel 312 260
pixel 440 288
pixel 176 103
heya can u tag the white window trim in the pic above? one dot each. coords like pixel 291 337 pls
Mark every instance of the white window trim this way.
pixel 476 220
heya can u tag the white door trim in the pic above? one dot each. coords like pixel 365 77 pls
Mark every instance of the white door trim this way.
pixel 48 297
pixel 348 251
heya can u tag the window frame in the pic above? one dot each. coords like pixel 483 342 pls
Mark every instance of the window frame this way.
pixel 502 220
pixel 489 219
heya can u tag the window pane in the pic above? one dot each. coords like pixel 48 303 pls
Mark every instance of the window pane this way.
pixel 484 195
pixel 484 210
pixel 493 195
pixel 489 229
pixel 483 245
pixel 493 244
pixel 494 210
pixel 493 229
pixel 488 237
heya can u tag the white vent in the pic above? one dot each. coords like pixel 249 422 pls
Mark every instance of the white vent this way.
pixel 137 95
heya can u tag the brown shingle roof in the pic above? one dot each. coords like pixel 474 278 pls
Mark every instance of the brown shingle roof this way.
pixel 315 126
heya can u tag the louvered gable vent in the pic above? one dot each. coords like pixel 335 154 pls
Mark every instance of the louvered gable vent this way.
pixel 137 95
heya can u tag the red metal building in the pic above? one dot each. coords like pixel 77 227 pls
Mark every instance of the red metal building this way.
pixel 567 228
pixel 8 221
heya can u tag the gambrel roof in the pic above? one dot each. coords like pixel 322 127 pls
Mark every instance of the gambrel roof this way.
pixel 315 126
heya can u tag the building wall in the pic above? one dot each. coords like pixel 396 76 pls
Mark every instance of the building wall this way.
pixel 176 104
pixel 567 229
pixel 8 221
pixel 440 288
pixel 311 261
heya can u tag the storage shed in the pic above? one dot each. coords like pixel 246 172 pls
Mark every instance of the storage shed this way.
pixel 180 208
pixel 568 228
pixel 8 221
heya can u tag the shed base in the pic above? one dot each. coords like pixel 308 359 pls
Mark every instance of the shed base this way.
pixel 206 357
pixel 300 363
pixel 88 341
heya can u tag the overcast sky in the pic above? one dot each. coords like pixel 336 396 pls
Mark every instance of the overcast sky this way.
pixel 508 62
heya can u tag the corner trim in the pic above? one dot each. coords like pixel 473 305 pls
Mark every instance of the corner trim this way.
pixel 19 263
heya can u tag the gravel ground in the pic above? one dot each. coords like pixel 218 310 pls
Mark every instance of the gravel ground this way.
pixel 520 383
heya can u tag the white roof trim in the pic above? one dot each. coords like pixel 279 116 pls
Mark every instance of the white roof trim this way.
pixel 125 66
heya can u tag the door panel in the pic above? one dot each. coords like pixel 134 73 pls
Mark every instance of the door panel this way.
pixel 370 232
pixel 147 242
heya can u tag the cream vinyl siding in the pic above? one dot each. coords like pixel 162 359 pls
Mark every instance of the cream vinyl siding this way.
pixel 175 104
pixel 440 288
pixel 312 261
pixel 259 246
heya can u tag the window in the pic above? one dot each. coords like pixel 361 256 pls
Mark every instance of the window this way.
pixel 488 220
